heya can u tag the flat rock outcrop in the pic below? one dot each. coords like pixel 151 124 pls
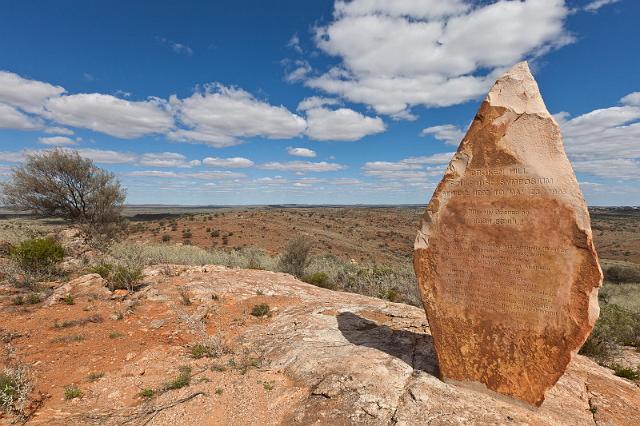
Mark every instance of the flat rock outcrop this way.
pixel 325 357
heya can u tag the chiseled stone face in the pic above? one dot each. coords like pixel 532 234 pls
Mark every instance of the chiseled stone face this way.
pixel 505 259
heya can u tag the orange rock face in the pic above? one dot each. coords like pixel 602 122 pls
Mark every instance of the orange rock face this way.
pixel 505 259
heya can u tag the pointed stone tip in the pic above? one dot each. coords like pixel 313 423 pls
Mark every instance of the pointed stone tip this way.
pixel 518 91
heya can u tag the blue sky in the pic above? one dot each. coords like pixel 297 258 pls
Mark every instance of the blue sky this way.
pixel 253 102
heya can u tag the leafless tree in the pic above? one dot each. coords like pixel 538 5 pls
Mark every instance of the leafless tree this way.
pixel 61 183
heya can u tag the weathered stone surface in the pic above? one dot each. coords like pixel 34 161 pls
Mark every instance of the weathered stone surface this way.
pixel 505 260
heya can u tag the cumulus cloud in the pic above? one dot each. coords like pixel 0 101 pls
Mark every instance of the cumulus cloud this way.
pixel 56 141
pixel 55 130
pixel 409 170
pixel 297 71
pixel 107 114
pixel 301 152
pixel 447 133
pixel 28 95
pixel 315 102
pixel 11 118
pixel 167 159
pixel 220 115
pixel 604 142
pixel 97 155
pixel 457 48
pixel 593 6
pixel 213 175
pixel 233 162
pixel 342 124
pixel 303 166
pixel 631 99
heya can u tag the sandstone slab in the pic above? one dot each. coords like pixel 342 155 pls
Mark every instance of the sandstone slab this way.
pixel 504 258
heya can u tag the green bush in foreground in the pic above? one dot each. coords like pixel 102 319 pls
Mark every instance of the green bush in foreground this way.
pixel 183 379
pixel 616 327
pixel 72 392
pixel 37 255
pixel 260 310
pixel 14 390
pixel 125 277
pixel 319 279
pixel 294 258
pixel 626 372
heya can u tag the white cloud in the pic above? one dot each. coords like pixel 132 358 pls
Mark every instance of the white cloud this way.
pixel 457 48
pixel 11 118
pixel 56 141
pixel 597 4
pixel 298 71
pixel 97 155
pixel 604 142
pixel 411 170
pixel 440 158
pixel 213 175
pixel 447 133
pixel 179 48
pixel 220 115
pixel 107 156
pixel 301 152
pixel 631 99
pixel 294 43
pixel 167 159
pixel 233 162
pixel 420 9
pixel 59 131
pixel 303 166
pixel 28 95
pixel 315 102
pixel 114 116
pixel 342 124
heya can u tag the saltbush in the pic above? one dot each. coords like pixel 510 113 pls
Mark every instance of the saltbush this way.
pixel 319 279
pixel 38 255
pixel 294 258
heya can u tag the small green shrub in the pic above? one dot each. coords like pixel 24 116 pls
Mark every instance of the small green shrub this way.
pixel 616 327
pixel 183 379
pixel 34 299
pixel 103 269
pixel 72 392
pixel 147 393
pixel 125 277
pixel 95 376
pixel 18 301
pixel 622 272
pixel 294 258
pixel 115 335
pixel 198 351
pixel 166 238
pixel 219 391
pixel 319 279
pixel 69 300
pixel 625 372
pixel 390 294
pixel 260 310
pixel 187 235
pixel 14 390
pixel 38 255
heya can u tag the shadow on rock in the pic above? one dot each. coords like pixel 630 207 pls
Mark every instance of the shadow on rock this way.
pixel 416 349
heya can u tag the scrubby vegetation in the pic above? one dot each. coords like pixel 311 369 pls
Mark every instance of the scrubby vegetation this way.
pixel 37 255
pixel 61 183
pixel 294 258
pixel 14 390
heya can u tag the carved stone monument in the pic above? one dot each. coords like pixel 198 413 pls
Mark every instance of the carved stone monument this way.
pixel 505 260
